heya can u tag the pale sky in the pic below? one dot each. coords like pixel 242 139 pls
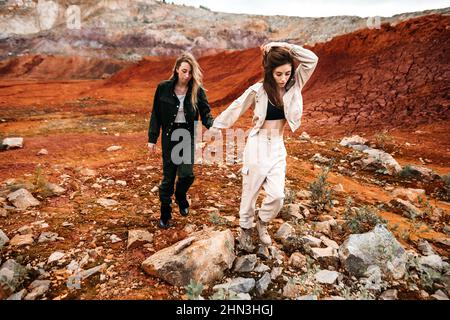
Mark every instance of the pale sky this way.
pixel 318 8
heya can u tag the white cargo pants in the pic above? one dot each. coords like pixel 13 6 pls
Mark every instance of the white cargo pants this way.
pixel 264 166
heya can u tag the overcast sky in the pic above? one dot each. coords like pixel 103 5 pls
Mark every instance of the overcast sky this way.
pixel 318 8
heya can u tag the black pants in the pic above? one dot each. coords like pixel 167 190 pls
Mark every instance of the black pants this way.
pixel 185 173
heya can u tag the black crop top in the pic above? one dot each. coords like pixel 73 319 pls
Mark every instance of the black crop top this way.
pixel 274 113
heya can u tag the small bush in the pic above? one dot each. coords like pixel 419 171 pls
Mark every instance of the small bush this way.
pixel 194 290
pixel 360 219
pixel 407 172
pixel 321 192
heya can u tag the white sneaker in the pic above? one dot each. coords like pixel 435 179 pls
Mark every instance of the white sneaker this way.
pixel 264 236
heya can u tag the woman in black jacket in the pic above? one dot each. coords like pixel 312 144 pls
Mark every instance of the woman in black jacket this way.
pixel 177 104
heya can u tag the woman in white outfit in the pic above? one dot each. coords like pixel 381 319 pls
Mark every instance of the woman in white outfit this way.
pixel 276 100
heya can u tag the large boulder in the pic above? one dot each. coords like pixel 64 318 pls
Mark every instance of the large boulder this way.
pixel 204 256
pixel 377 247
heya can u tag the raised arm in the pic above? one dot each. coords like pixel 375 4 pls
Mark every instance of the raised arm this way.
pixel 231 114
pixel 306 58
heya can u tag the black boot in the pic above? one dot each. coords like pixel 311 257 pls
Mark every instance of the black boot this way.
pixel 166 215
pixel 183 205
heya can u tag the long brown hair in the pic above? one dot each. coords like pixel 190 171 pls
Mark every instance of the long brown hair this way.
pixel 197 76
pixel 277 56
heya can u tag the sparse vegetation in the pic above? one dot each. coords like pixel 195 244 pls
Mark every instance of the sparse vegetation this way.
pixel 407 172
pixel 194 290
pixel 321 192
pixel 360 219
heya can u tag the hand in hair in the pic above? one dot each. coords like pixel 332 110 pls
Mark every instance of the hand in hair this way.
pixel 266 47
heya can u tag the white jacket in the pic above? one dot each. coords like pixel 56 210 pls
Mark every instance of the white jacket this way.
pixel 257 96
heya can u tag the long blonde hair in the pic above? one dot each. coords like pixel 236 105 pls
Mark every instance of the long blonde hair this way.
pixel 197 76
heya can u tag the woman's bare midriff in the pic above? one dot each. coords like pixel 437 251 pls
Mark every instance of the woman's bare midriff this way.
pixel 274 127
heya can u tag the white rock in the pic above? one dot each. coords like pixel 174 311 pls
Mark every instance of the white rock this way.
pixel 42 152
pixel 55 256
pixel 137 238
pixel 326 276
pixel 22 199
pixel 13 143
pixel 114 148
pixel 21 240
pixel 107 202
pixel 3 239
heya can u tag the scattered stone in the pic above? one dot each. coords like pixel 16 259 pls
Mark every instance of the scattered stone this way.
pixel 3 239
pixel 323 227
pixel 154 189
pixel 291 212
pixel 107 202
pixel 349 141
pixel 22 199
pixel 439 295
pixel 55 189
pixel 48 237
pixel 38 289
pixel 55 256
pixel 18 295
pixel 204 256
pixel 433 261
pixel 409 194
pixel 263 283
pixel 326 276
pixel 67 224
pixel 329 242
pixel 325 256
pixel 311 241
pixel 380 160
pixel 88 172
pixel 319 158
pixel 338 188
pixel 12 275
pixel 405 208
pixel 121 182
pixel 263 252
pixel 114 238
pixel 261 267
pixel 298 261
pixel 286 233
pixel 137 238
pixel 42 152
pixel 390 294
pixel 12 143
pixel 304 136
pixel 372 280
pixel 113 148
pixel 377 247
pixel 238 285
pixel 425 248
pixel 276 272
pixel 245 263
pixel 21 240
pixel 304 194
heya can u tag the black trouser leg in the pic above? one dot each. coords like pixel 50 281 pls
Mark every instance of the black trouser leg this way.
pixel 166 189
pixel 185 179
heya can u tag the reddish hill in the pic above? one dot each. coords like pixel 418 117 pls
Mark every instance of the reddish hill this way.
pixel 44 67
pixel 394 77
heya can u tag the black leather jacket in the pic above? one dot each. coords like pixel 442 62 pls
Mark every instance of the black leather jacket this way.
pixel 165 109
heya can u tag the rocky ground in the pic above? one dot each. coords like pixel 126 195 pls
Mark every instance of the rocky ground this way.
pixel 78 238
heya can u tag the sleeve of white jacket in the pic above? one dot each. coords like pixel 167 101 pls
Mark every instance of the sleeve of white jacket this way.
pixel 308 62
pixel 231 114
